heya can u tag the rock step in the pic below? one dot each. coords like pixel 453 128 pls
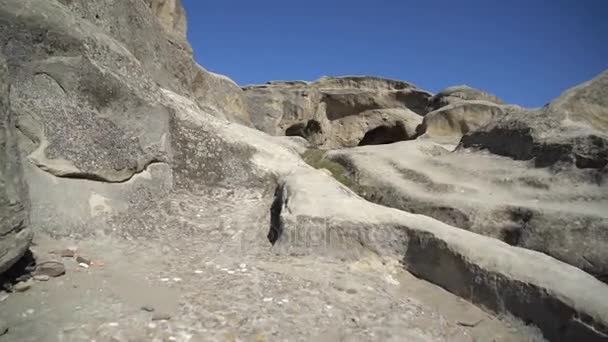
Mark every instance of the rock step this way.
pixel 563 301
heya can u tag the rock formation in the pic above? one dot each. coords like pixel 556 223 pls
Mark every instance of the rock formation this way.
pixel 562 215
pixel 338 111
pixel 571 129
pixel 459 94
pixel 15 234
pixel 194 190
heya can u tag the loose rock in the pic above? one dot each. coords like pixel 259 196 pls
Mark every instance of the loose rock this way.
pixel 160 316
pixel 83 260
pixel 42 277
pixel 97 263
pixel 23 286
pixel 147 308
pixel 24 277
pixel 50 268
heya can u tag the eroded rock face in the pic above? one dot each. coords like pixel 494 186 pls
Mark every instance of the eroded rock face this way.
pixel 571 130
pixel 171 15
pixel 86 80
pixel 121 135
pixel 344 109
pixel 562 215
pixel 15 233
pixel 451 122
pixel 502 278
pixel 458 94
pixel 219 96
pixel 154 32
pixel 458 110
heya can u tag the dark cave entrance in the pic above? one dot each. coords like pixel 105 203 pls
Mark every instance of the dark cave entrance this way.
pixel 312 127
pixel 385 135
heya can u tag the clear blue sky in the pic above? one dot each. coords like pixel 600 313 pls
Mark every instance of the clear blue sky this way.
pixel 525 51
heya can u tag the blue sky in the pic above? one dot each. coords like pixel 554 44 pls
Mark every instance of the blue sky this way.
pixel 525 51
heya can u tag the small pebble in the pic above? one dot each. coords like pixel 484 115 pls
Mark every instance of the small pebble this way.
pixel 97 263
pixel 83 260
pixel 113 324
pixel 152 326
pixel 351 291
pixel 147 308
pixel 42 277
pixel 161 316
pixel 231 272
pixel 164 279
pixel 22 286
pixel 285 300
pixel 83 265
pixel 198 272
pixel 177 280
pixel 30 311
pixel 243 265
pixel 267 299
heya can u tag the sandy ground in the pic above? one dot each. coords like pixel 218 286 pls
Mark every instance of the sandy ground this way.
pixel 204 265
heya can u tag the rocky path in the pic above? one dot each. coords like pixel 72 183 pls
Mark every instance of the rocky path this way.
pixel 199 268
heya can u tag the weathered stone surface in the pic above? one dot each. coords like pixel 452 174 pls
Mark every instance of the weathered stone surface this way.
pixel 171 15
pixel 219 96
pixel 216 153
pixel 154 32
pixel 315 214
pixel 337 111
pixel 451 122
pixel 123 137
pixel 90 123
pixel 572 129
pixel 50 268
pixel 15 232
pixel 458 94
pixel 562 215
pixel 23 286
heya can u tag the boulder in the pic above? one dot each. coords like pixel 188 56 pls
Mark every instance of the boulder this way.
pixel 571 130
pixel 454 120
pixel 337 111
pixel 15 232
pixel 458 94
